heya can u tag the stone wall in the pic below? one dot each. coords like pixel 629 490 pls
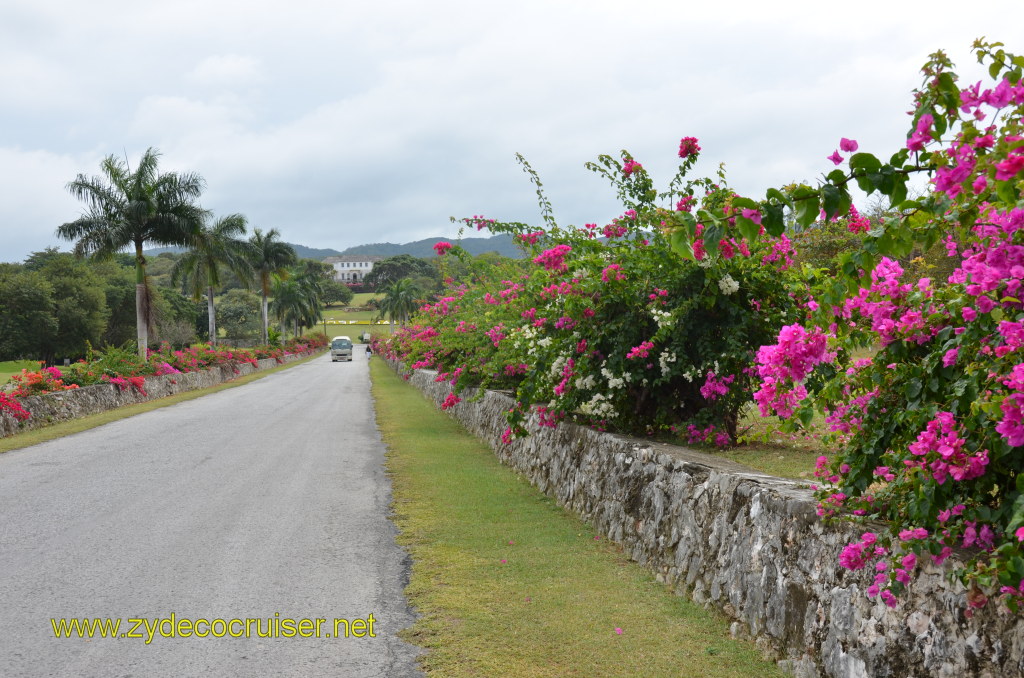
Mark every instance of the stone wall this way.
pixel 56 407
pixel 751 546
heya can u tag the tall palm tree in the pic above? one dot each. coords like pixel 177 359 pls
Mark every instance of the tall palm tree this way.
pixel 213 246
pixel 296 301
pixel 269 256
pixel 401 299
pixel 126 208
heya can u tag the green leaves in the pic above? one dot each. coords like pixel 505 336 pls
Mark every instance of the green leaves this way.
pixel 773 220
pixel 807 205
pixel 834 201
pixel 748 228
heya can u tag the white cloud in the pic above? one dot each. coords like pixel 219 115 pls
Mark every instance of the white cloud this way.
pixel 227 70
pixel 343 123
pixel 30 215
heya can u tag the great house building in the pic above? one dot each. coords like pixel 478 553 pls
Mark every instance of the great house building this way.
pixel 352 269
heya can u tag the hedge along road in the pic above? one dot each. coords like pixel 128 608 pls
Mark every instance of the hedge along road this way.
pixel 263 502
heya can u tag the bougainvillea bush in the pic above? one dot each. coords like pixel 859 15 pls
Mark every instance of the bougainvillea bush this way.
pixel 932 424
pixel 605 324
pixel 921 380
pixel 124 368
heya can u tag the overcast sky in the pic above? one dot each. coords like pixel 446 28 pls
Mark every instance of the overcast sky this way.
pixel 343 123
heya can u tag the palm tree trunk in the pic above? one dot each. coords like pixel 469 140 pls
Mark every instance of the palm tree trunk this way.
pixel 213 316
pixel 266 319
pixel 141 314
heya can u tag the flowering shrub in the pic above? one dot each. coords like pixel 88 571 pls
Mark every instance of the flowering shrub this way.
pixel 616 331
pixel 11 404
pixel 932 423
pixel 122 383
pixel 124 368
pixel 46 380
pixel 920 380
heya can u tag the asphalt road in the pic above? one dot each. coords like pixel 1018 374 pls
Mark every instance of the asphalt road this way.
pixel 267 499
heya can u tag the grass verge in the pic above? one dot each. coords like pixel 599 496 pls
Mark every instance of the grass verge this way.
pixel 9 368
pixel 65 428
pixel 509 584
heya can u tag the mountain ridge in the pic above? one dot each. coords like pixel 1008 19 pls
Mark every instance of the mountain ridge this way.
pixel 501 243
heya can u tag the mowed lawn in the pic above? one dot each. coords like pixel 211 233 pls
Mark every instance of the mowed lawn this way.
pixel 353 311
pixel 507 583
pixel 8 368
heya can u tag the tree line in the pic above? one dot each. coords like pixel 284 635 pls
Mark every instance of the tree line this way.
pixel 56 305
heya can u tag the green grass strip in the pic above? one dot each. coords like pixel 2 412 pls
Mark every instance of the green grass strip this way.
pixel 509 584
pixel 66 428
pixel 9 368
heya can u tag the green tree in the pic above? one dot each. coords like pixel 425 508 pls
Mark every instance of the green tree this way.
pixel 79 303
pixel 298 297
pixel 213 246
pixel 400 301
pixel 292 304
pixel 269 256
pixel 337 293
pixel 119 288
pixel 27 313
pixel 392 269
pixel 175 316
pixel 126 208
pixel 238 315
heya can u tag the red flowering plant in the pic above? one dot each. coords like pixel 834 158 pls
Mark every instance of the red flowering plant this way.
pixel 124 368
pixel 46 380
pixel 607 325
pixel 932 424
pixel 9 403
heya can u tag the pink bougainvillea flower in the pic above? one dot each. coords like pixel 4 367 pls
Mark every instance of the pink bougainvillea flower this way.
pixel 442 248
pixel 688 146
pixel 836 158
pixel 554 258
pixel 530 238
pixel 848 145
pixel 629 166
pixel 922 133
pixel 1010 167
pixel 753 215
pixel 618 631
pixel 641 351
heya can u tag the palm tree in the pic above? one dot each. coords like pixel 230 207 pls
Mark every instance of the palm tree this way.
pixel 400 300
pixel 213 246
pixel 269 257
pixel 298 297
pixel 126 208
pixel 294 303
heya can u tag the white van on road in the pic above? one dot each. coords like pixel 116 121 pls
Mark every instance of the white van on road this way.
pixel 341 349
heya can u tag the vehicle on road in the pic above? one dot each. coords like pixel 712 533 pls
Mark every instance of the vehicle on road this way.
pixel 341 349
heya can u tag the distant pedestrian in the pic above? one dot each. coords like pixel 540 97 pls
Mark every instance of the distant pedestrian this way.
pixel 369 350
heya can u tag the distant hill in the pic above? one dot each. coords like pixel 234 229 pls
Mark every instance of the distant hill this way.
pixel 302 251
pixel 502 244
pixel 312 252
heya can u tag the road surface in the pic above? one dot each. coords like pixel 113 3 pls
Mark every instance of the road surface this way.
pixel 266 502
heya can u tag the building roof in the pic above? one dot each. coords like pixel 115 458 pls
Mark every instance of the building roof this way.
pixel 353 257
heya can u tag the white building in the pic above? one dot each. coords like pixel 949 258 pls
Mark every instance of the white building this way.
pixel 352 269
